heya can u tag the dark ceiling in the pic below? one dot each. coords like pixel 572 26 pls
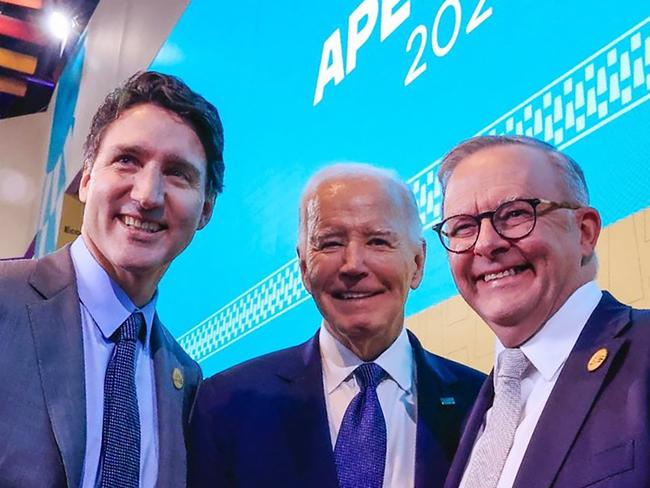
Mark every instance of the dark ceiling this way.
pixel 31 57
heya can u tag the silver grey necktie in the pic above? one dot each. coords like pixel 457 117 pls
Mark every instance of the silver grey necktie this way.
pixel 492 448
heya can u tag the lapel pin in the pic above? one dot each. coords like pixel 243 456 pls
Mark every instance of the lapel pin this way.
pixel 597 359
pixel 447 401
pixel 177 378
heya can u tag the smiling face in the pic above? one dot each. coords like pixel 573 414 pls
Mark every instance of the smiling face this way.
pixel 358 261
pixel 144 196
pixel 517 285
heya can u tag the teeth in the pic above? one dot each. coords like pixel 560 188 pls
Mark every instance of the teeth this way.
pixel 139 224
pixel 352 295
pixel 502 274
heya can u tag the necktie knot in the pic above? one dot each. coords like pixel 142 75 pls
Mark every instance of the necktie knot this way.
pixel 130 328
pixel 369 375
pixel 513 363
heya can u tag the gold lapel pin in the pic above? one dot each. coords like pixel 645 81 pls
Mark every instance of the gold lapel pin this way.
pixel 597 359
pixel 177 378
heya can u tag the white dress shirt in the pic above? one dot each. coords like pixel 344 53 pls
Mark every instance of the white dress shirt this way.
pixel 547 352
pixel 397 396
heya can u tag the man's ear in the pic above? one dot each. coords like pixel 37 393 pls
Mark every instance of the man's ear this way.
pixel 589 225
pixel 419 258
pixel 303 270
pixel 206 212
pixel 84 182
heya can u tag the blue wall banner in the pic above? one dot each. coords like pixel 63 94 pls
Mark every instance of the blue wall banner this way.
pixel 394 83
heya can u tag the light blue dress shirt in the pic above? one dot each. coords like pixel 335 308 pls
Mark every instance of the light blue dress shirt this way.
pixel 104 306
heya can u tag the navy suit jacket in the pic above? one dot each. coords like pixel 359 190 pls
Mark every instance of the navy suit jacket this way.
pixel 595 429
pixel 42 383
pixel 264 423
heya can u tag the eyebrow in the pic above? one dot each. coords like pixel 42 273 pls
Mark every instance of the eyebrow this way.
pixel 510 198
pixel 172 159
pixel 382 232
pixel 130 148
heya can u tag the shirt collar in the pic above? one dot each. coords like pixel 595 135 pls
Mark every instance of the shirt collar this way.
pixel 339 362
pixel 104 299
pixel 550 347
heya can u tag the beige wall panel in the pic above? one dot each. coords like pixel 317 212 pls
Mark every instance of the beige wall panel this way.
pixel 23 143
pixel 642 224
pixel 71 215
pixel 602 250
pixel 624 262
pixel 452 329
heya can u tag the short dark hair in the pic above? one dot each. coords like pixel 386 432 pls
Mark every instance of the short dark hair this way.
pixel 171 93
pixel 570 172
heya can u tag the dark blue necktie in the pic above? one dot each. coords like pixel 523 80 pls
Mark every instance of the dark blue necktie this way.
pixel 360 452
pixel 120 458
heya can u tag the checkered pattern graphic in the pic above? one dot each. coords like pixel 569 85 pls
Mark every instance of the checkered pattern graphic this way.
pixel 603 87
pixel 598 90
pixel 274 295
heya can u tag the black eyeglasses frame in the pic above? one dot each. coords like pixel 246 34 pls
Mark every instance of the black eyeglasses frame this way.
pixel 534 203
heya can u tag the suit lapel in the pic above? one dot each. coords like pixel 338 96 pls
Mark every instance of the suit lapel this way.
pixel 438 419
pixel 56 328
pixel 558 425
pixel 169 406
pixel 305 418
pixel 474 423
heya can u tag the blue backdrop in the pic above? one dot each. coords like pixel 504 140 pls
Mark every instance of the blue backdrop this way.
pixel 395 83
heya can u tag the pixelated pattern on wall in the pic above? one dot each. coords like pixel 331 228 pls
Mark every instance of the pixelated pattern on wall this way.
pixel 274 295
pixel 55 179
pixel 598 90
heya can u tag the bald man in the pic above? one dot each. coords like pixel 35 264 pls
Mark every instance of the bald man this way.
pixel 361 404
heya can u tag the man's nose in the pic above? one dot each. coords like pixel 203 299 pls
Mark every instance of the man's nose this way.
pixel 148 187
pixel 489 243
pixel 354 259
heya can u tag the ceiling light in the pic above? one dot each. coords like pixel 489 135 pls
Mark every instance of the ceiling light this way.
pixel 59 25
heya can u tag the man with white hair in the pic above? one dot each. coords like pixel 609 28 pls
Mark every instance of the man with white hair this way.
pixel 361 404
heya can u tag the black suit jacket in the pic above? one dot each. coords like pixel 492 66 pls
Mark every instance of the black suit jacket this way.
pixel 264 423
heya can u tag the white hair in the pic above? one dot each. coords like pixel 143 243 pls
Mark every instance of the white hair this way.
pixel 362 170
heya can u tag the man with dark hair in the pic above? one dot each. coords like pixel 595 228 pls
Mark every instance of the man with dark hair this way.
pixel 95 391
pixel 567 404
pixel 362 404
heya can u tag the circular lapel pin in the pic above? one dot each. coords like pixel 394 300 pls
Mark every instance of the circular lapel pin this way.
pixel 597 359
pixel 177 378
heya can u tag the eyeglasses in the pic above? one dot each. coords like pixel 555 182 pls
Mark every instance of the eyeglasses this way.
pixel 511 220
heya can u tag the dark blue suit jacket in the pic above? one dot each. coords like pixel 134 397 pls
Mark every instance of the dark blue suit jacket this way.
pixel 264 423
pixel 595 428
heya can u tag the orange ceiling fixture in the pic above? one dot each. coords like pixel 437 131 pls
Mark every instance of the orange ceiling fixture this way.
pixel 25 3
pixel 13 86
pixel 18 61
pixel 19 29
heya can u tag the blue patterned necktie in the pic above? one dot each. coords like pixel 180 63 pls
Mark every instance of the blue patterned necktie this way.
pixel 360 451
pixel 120 458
